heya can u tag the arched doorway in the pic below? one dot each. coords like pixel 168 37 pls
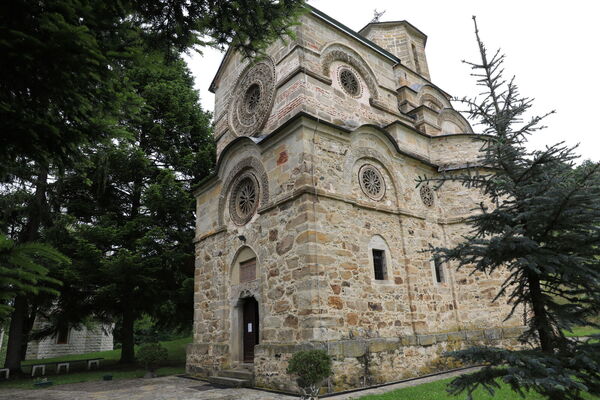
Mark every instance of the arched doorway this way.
pixel 250 328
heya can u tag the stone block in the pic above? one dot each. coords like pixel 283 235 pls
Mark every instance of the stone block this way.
pixel 354 348
pixel 426 340
pixel 474 335
pixel 381 345
pixel 457 336
pixel 493 334
pixel 410 340
pixel 512 332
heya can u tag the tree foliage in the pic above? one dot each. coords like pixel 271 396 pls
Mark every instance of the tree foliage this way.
pixel 541 224
pixel 72 98
pixel 151 355
pixel 132 203
pixel 311 367
pixel 22 271
pixel 62 60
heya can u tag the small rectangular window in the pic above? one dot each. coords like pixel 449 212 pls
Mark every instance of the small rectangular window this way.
pixel 439 270
pixel 62 336
pixel 379 264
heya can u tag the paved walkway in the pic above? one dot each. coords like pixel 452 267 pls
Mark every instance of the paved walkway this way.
pixel 175 388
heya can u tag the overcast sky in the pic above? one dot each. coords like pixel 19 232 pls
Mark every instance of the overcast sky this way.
pixel 551 47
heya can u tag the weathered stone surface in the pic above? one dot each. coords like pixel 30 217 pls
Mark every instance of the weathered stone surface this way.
pixel 426 340
pixel 315 230
pixel 285 244
pixel 335 302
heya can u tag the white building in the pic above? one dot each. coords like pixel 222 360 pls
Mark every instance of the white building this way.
pixel 71 341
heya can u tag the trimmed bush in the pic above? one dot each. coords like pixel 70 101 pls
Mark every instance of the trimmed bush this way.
pixel 151 355
pixel 311 367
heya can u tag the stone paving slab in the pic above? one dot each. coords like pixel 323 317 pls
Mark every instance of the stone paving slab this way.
pixel 166 388
pixel 177 388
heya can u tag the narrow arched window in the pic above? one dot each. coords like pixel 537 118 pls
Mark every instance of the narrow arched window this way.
pixel 438 270
pixel 416 58
pixel 380 260
pixel 379 264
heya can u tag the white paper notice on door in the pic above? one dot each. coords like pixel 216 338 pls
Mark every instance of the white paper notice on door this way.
pixel 249 327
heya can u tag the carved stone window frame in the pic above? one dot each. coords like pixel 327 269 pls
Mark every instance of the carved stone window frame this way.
pixel 242 215
pixel 252 98
pixel 345 71
pixel 427 196
pixel 368 176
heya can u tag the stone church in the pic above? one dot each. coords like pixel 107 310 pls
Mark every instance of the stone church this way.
pixel 312 232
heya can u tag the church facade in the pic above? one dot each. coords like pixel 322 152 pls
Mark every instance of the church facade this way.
pixel 313 234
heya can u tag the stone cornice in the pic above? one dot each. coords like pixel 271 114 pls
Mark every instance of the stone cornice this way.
pixel 316 192
pixel 296 119
pixel 358 347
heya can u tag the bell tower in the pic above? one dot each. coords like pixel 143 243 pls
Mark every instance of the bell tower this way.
pixel 403 40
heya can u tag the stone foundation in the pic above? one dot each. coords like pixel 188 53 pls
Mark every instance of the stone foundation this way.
pixel 357 363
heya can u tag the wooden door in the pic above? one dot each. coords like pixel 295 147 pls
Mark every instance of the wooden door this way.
pixel 250 327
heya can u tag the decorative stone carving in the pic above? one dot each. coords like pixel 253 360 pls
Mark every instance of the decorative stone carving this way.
pixel 243 200
pixel 371 182
pixel 426 195
pixel 349 82
pixel 252 98
pixel 259 173
pixel 342 53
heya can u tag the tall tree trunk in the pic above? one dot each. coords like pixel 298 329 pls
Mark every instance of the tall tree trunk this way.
pixel 30 233
pixel 127 337
pixel 27 328
pixel 127 340
pixel 541 322
pixel 15 336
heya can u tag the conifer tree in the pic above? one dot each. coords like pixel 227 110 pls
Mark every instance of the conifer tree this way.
pixel 62 60
pixel 542 226
pixel 62 90
pixel 132 242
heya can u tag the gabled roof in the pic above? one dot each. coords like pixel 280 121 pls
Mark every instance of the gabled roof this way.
pixel 331 21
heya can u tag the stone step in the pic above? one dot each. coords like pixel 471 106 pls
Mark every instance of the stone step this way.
pixel 230 382
pixel 248 366
pixel 237 373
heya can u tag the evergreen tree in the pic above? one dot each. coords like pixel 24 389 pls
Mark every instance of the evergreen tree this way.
pixel 62 60
pixel 133 241
pixel 22 271
pixel 542 225
pixel 62 88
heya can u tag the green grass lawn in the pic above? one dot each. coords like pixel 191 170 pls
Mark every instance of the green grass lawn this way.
pixel 437 391
pixel 583 331
pixel 175 364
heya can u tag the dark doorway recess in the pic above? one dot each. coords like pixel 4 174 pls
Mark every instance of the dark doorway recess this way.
pixel 250 328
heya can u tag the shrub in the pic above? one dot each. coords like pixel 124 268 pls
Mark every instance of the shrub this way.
pixel 312 367
pixel 151 354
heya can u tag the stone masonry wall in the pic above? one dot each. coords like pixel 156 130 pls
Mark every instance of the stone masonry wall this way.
pixel 304 86
pixel 80 341
pixel 367 362
pixel 314 227
pixel 315 279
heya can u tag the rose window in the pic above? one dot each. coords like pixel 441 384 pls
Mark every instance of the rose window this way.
pixel 349 82
pixel 371 182
pixel 426 195
pixel 252 98
pixel 244 199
